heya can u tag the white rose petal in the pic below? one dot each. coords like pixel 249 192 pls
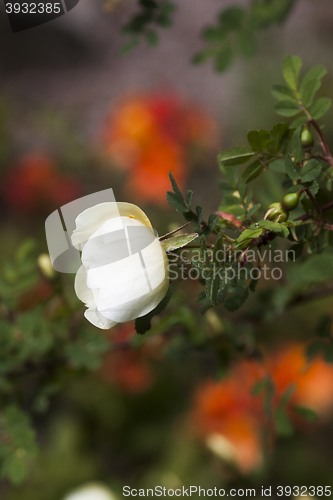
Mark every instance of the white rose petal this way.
pixel 92 218
pixel 125 268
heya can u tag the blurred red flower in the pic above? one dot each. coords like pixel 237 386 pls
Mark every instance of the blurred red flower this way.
pixel 33 184
pixel 231 419
pixel 150 134
pixel 128 370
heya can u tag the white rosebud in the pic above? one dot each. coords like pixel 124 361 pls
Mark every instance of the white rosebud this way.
pixel 124 272
pixel 45 265
pixel 91 492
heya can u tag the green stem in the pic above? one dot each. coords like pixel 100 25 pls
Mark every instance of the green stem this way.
pixel 324 145
pixel 315 204
pixel 161 238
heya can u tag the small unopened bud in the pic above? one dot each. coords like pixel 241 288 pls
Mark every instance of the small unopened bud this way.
pixel 45 265
pixel 306 139
pixel 275 213
pixel 290 202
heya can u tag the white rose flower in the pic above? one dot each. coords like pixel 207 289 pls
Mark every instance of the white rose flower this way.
pixel 124 272
pixel 91 492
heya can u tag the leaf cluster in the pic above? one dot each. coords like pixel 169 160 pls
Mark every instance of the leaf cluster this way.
pixel 153 14
pixel 236 29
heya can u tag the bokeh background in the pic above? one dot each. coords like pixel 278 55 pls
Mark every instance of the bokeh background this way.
pixel 75 118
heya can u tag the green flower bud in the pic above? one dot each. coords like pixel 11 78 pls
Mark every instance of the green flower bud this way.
pixel 290 202
pixel 276 213
pixel 306 139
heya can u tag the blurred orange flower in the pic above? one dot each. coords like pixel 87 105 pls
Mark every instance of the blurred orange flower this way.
pixel 34 184
pixel 314 380
pixel 149 135
pixel 231 419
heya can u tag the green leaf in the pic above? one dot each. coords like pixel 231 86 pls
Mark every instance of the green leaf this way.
pixel 320 107
pixel 287 108
pixel 212 288
pixel 252 171
pixel 85 352
pixel 298 122
pixel 234 302
pixel 276 135
pixel 237 210
pixel 201 57
pixel 19 446
pixel 248 235
pixel 307 414
pixel 247 43
pixel 143 324
pixel 276 227
pixel 232 174
pixel 175 202
pixel 310 84
pixel 189 195
pixel 297 149
pixel 286 396
pixel 213 35
pixel 226 187
pixel 223 59
pixel 202 299
pixel 310 171
pixel 232 18
pixel 278 166
pixel 199 212
pixel 291 68
pixel 313 187
pixel 175 187
pixel 284 426
pixel 254 282
pixel 15 469
pixel 258 139
pixel 152 38
pixel 253 210
pixel 282 93
pixel 263 384
pixel 178 241
pixel 24 250
pixel 291 169
pixel 164 18
pixel 212 219
pixel 242 154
